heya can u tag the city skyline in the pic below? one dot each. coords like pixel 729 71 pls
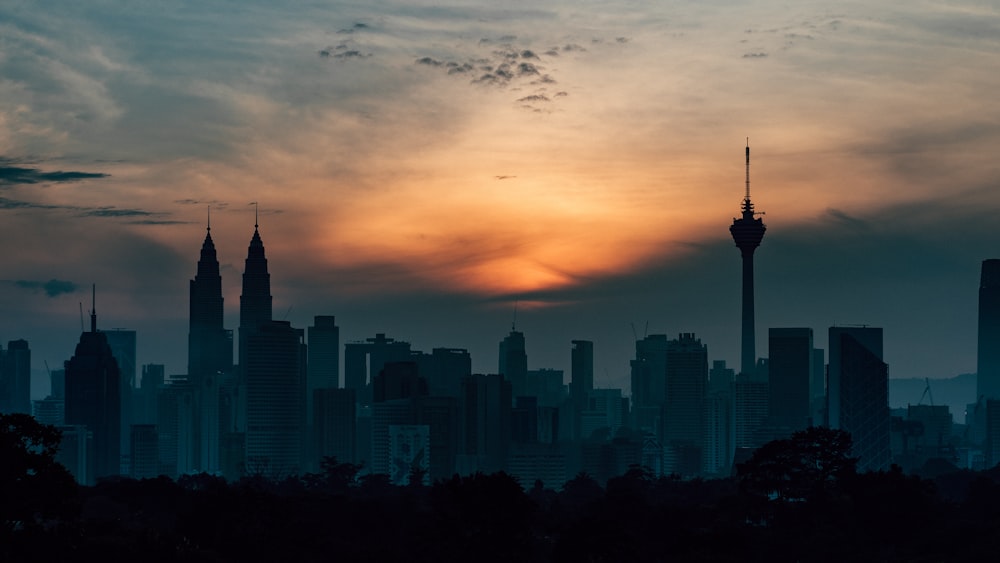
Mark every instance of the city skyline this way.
pixel 405 195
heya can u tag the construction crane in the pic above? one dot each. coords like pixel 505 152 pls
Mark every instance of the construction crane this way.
pixel 927 393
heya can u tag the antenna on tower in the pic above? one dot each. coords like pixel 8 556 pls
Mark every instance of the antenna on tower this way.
pixel 93 308
pixel 513 325
pixel 256 213
pixel 209 223
pixel 748 169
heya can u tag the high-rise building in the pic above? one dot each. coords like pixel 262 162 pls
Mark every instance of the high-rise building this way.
pixel 485 423
pixel 581 381
pixel 335 425
pixel 93 398
pixel 649 382
pixel 684 410
pixel 210 355
pixel 255 300
pixel 275 384
pixel 145 448
pixel 988 356
pixel 324 356
pixel 210 345
pixel 858 393
pixel 123 348
pixel 747 233
pixel 790 355
pixel 15 377
pixel 364 360
pixel 719 418
pixel 514 362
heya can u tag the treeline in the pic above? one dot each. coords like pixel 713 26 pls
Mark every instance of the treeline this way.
pixel 796 500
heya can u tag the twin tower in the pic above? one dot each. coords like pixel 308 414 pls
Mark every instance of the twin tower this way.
pixel 210 345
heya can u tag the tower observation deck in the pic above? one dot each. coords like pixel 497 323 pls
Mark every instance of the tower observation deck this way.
pixel 747 232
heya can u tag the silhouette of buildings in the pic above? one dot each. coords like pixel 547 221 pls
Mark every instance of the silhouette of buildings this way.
pixel 988 354
pixel 858 393
pixel 93 399
pixel 15 377
pixel 747 232
pixel 335 424
pixel 719 420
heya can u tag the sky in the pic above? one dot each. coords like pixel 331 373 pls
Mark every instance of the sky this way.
pixel 440 171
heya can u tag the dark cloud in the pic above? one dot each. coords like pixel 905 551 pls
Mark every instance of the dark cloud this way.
pixel 159 222
pixel 527 69
pixel 52 288
pixel 535 98
pixel 756 55
pixel 430 62
pixel 621 39
pixel 528 54
pixel 352 54
pixel 455 68
pixel 115 212
pixel 561 94
pixel 552 52
pixel 573 47
pixel 544 79
pixel 11 175
pixel 354 28
pixel 7 203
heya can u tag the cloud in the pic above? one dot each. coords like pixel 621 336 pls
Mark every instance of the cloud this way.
pixel 534 98
pixel 756 55
pixel 52 288
pixel 115 212
pixel 11 175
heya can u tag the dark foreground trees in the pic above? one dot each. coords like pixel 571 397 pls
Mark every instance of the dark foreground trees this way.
pixel 796 500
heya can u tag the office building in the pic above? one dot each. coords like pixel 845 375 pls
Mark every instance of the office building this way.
pixel 858 393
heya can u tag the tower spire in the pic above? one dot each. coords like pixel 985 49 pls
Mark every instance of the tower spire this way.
pixel 93 308
pixel 208 224
pixel 747 233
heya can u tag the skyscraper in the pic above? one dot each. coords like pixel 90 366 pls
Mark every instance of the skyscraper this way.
pixel 255 301
pixel 514 362
pixel 858 393
pixel 15 377
pixel 747 233
pixel 93 388
pixel 275 383
pixel 988 356
pixel 122 343
pixel 790 355
pixel 684 410
pixel 581 381
pixel 210 345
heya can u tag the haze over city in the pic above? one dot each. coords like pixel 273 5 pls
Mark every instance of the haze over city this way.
pixel 424 169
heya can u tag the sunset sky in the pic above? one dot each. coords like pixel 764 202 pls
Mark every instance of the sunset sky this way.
pixel 422 167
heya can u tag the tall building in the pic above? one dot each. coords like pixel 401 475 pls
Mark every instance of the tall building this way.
pixel 122 343
pixel 275 386
pixel 988 356
pixel 514 362
pixel 747 233
pixel 210 345
pixel 719 418
pixel 581 381
pixel 684 410
pixel 649 381
pixel 858 393
pixel 93 398
pixel 485 424
pixel 364 360
pixel 335 424
pixel 790 355
pixel 255 300
pixel 15 377
pixel 210 355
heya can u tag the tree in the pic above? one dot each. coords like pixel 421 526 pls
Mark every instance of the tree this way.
pixel 33 485
pixel 811 462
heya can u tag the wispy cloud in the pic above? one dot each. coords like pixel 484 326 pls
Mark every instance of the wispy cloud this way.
pixel 52 288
